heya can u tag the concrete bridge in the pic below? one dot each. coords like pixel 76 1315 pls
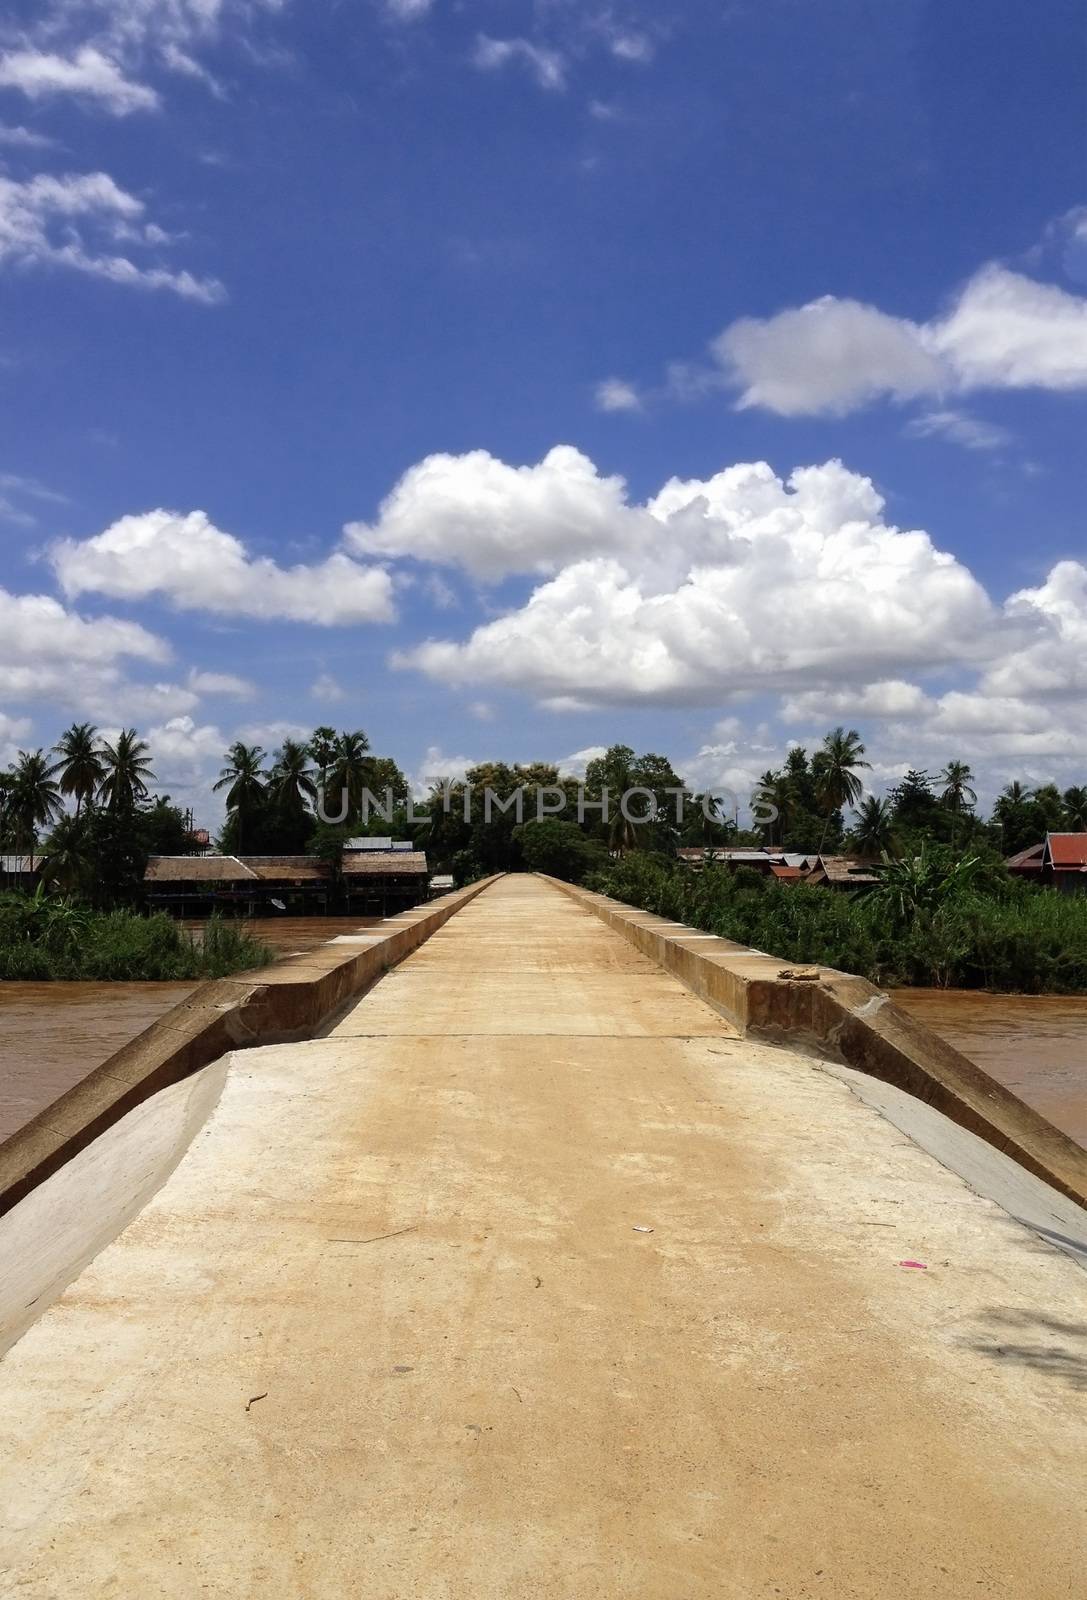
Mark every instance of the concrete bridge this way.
pixel 532 1276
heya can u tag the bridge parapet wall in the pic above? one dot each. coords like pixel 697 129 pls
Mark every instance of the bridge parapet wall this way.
pixel 846 1019
pixel 288 1001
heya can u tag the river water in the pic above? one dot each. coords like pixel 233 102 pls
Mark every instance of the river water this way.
pixel 1036 1045
pixel 53 1034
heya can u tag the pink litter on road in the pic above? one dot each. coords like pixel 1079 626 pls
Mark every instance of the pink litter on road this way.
pixel 920 1265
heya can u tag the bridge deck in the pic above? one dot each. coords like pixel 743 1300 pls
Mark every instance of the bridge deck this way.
pixel 532 1279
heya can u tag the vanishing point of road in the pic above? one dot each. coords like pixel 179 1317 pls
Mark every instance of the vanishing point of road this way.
pixel 530 1278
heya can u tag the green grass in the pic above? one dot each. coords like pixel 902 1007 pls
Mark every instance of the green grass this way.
pixel 1011 937
pixel 43 938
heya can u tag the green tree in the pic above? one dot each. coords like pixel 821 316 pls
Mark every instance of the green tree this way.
pixel 243 780
pixel 775 792
pixel 1047 798
pixel 34 799
pixel 127 772
pixel 1075 808
pixel 68 859
pixel 322 748
pixel 917 886
pixel 350 770
pixel 559 848
pixel 290 782
pixel 81 765
pixel 1019 820
pixel 873 830
pixel 836 770
pixel 956 792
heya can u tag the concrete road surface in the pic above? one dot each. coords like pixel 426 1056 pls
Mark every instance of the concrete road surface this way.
pixel 532 1280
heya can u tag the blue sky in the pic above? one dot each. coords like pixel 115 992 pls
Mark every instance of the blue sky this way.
pixel 269 268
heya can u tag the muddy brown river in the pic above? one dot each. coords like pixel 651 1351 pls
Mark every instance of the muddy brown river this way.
pixel 53 1034
pixel 1034 1044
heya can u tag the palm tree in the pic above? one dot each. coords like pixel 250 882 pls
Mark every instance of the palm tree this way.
pixel 81 766
pixel 776 789
pixel 243 780
pixel 956 794
pixel 34 799
pixel 7 821
pixel 836 766
pixel 350 769
pixel 127 771
pixel 291 777
pixel 873 830
pixel 322 747
pixel 1075 807
pixel 68 860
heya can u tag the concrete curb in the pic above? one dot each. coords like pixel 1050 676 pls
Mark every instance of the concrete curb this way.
pixel 274 1005
pixel 847 1020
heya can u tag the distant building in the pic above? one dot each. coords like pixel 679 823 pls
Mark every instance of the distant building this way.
pixel 1059 862
pixel 1064 862
pixel 844 872
pixel 372 881
pixel 20 872
pixel 382 875
pixel 1028 863
pixel 787 866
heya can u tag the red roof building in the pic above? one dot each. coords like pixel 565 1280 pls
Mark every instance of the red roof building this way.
pixel 1064 862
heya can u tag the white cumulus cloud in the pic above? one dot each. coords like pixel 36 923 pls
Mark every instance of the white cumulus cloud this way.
pixel 1003 331
pixel 475 512
pixel 198 567
pixel 50 653
pixel 710 590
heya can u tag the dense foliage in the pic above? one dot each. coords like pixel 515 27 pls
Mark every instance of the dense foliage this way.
pixel 51 937
pixel 947 911
pixel 929 922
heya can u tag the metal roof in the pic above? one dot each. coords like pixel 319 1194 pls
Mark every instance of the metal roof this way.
pixel 847 869
pixel 384 863
pixel 1067 852
pixel 376 843
pixel 1027 860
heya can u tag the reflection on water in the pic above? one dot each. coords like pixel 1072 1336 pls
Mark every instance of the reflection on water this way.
pixel 54 1034
pixel 1036 1045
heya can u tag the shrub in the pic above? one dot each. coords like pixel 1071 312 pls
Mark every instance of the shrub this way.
pixel 43 938
pixel 929 927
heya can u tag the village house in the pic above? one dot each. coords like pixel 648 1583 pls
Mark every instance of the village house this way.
pixel 383 875
pixel 376 876
pixel 20 872
pixel 785 866
pixel 1059 862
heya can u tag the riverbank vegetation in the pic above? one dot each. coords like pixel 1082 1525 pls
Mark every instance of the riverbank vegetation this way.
pixel 944 911
pixel 45 937
pixel 930 925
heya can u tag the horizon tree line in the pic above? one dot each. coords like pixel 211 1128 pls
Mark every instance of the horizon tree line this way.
pixel 88 802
